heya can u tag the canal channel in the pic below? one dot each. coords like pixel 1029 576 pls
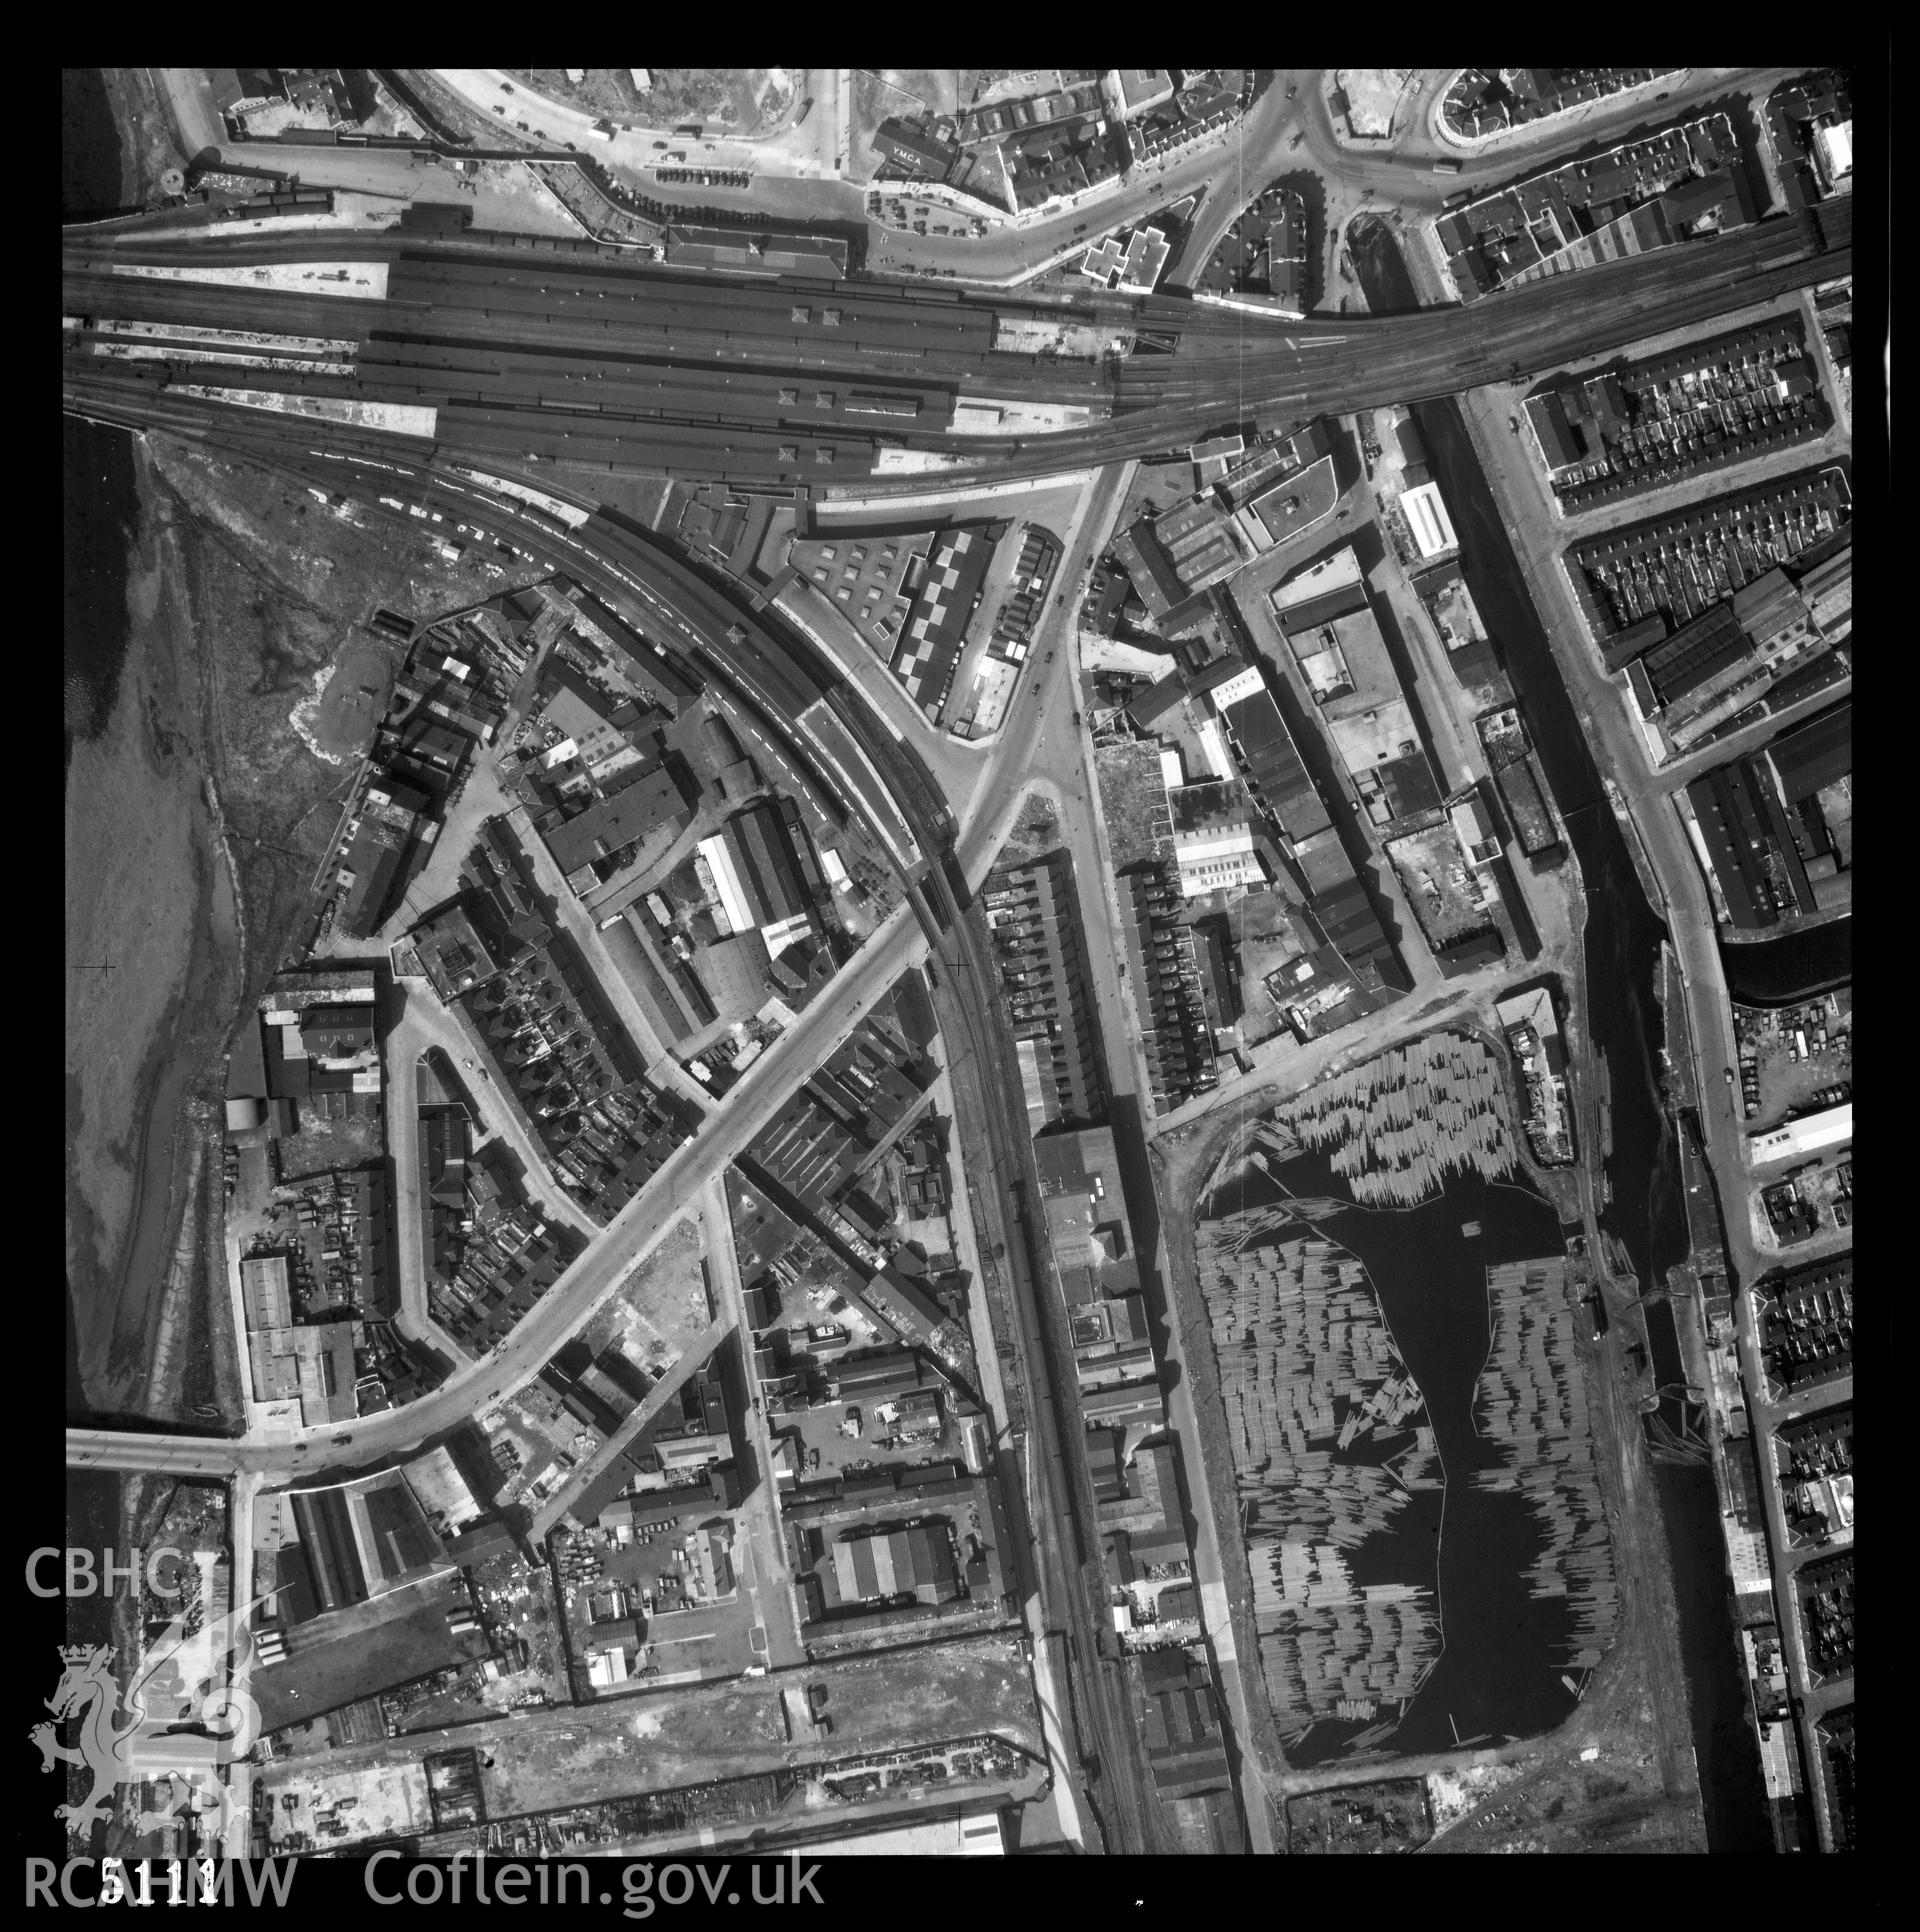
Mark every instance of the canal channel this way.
pixel 1782 972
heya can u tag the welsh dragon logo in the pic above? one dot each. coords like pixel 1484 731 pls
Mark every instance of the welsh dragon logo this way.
pixel 175 1734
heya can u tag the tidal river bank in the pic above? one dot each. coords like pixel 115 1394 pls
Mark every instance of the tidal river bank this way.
pixel 152 984
pixel 152 921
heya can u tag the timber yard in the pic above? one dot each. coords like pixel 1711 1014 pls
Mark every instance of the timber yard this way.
pixel 958 962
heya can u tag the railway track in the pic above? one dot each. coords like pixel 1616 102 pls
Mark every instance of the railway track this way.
pixel 595 362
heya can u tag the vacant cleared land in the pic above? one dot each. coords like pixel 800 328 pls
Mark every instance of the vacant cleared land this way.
pixel 151 983
pixel 661 1311
pixel 1133 796
pixel 366 1653
pixel 689 1735
pixel 353 699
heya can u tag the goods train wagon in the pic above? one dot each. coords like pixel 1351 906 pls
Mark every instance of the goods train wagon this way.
pixel 785 672
pixel 227 249
pixel 809 313
pixel 710 335
pixel 250 375
pixel 592 267
pixel 654 448
pixel 648 385
pixel 543 244
pixel 578 436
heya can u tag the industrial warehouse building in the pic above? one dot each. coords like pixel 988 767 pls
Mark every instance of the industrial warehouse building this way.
pixel 935 633
pixel 638 803
pixel 1087 1215
pixel 1799 1138
pixel 756 872
pixel 390 815
pixel 1776 827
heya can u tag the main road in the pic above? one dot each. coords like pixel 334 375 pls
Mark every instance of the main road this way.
pixel 609 1257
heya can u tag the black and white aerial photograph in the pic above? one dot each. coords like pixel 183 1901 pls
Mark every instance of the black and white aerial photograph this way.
pixel 957 963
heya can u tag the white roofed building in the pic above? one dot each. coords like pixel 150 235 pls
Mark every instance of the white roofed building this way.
pixel 1215 858
pixel 1427 519
pixel 1799 1137
pixel 726 884
pixel 1243 684
pixel 1833 155
pixel 1138 90
pixel 1130 270
pixel 1219 762
pixel 1474 829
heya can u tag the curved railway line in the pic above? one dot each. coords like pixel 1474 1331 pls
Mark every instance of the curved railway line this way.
pixel 782 679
